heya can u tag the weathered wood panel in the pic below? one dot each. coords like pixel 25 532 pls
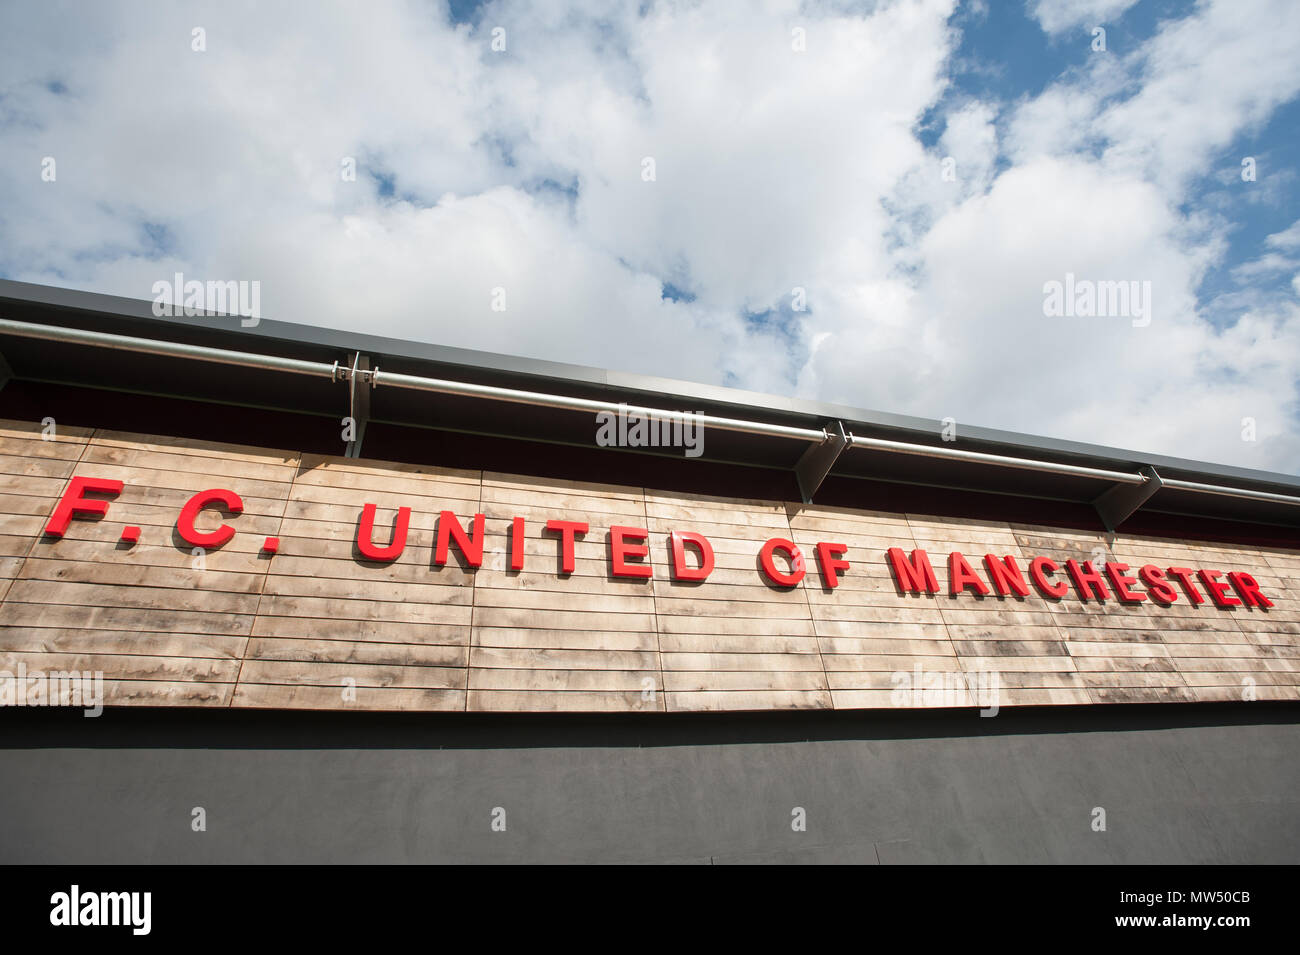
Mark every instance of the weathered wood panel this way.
pixel 879 648
pixel 1011 639
pixel 162 622
pixel 316 625
pixel 768 648
pixel 337 630
pixel 35 464
pixel 548 641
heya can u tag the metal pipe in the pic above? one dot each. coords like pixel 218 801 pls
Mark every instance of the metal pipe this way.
pixel 465 389
pixel 148 346
pixel 224 356
pixel 979 457
pixel 1222 491
pixel 249 360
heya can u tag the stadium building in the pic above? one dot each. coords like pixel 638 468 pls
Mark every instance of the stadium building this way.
pixel 352 599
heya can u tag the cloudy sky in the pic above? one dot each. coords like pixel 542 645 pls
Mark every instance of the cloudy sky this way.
pixel 855 202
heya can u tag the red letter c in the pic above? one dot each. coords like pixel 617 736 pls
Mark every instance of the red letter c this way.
pixel 229 500
pixel 776 575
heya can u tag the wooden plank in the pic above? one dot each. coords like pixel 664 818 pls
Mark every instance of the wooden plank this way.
pixel 123 666
pixel 144 598
pixel 166 693
pixel 14 613
pixel 570 701
pixel 533 638
pixel 373 652
pixel 565 658
pixel 306 697
pixel 134 642
pixel 219 450
pixel 741 700
pixel 335 673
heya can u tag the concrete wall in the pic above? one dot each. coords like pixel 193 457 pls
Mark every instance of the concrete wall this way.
pixel 1194 783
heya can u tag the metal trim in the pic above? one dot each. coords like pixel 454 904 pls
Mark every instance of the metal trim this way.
pixel 334 372
pixel 223 356
pixel 564 403
pixel 1000 460
pixel 109 308
pixel 1246 493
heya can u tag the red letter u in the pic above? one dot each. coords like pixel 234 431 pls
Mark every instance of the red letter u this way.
pixel 366 533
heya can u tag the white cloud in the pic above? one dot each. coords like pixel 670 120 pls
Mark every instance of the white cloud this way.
pixel 1288 238
pixel 1057 16
pixel 775 168
pixel 970 138
pixel 1203 80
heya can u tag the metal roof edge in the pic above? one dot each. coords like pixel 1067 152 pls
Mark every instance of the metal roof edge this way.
pixel 913 427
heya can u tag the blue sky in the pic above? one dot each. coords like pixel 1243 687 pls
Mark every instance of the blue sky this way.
pixel 1004 56
pixel 799 233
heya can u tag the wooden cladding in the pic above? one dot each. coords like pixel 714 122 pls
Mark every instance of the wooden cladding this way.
pixel 313 623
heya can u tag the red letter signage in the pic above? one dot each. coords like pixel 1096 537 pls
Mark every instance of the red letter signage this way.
pixel 1248 587
pixel 681 571
pixel 566 530
pixel 1006 575
pixel 774 573
pixel 911 577
pixel 228 500
pixel 366 534
pixel 1184 575
pixel 961 576
pixel 1120 581
pixel 829 559
pixel 517 544
pixel 1087 580
pixel 1039 568
pixel 625 542
pixel 1157 585
pixel 471 547
pixel 74 503
pixel 629 557
pixel 1217 590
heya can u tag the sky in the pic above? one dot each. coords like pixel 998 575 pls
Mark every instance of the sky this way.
pixel 863 203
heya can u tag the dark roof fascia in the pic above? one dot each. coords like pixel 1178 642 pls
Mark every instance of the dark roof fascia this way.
pixel 552 376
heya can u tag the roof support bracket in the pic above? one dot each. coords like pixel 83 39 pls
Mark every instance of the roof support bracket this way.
pixel 1118 504
pixel 817 461
pixel 360 381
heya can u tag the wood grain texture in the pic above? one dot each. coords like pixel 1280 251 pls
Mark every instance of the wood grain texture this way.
pixel 318 626
pixel 722 663
pixel 336 630
pixel 163 624
pixel 546 641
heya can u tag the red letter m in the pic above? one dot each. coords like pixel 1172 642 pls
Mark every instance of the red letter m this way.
pixel 911 575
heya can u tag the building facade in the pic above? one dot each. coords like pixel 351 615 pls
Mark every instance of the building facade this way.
pixel 367 600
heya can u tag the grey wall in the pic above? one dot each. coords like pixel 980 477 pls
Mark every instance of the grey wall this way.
pixel 1179 783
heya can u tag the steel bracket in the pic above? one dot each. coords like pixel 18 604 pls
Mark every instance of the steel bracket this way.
pixel 1118 504
pixel 817 461
pixel 358 401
